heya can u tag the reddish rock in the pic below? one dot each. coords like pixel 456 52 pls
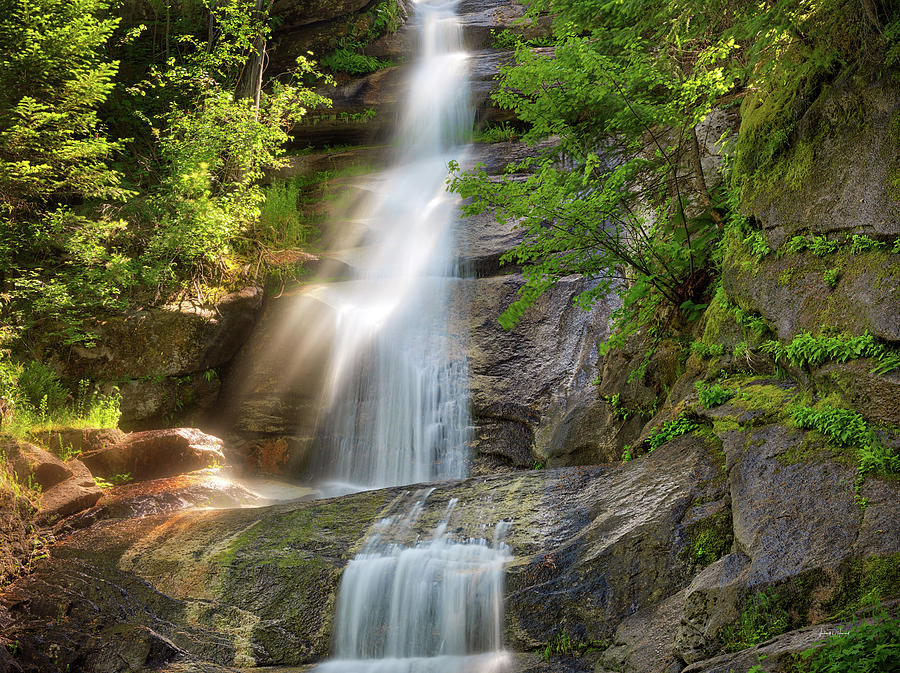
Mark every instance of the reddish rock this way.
pixel 77 493
pixel 156 453
pixel 269 456
pixel 28 460
pixel 67 498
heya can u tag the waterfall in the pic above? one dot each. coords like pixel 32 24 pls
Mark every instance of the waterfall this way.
pixel 396 390
pixel 431 606
pixel 398 398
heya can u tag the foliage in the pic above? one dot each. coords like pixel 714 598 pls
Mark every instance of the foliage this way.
pixel 712 395
pixel 384 18
pixel 563 644
pixel 845 427
pixel 116 480
pixel 347 58
pixel 280 223
pixel 497 133
pixel 706 351
pixel 624 113
pixel 620 198
pixel 867 647
pixel 35 398
pixel 75 241
pixel 764 616
pixel 808 351
pixel 831 277
pixel 670 430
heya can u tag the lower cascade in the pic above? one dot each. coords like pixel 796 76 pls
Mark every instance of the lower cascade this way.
pixel 412 606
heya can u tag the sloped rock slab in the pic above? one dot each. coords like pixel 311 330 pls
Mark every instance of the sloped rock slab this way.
pixel 524 381
pixel 256 587
pixel 205 489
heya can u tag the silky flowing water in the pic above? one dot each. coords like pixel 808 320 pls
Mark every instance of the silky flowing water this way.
pixel 396 389
pixel 397 398
pixel 421 606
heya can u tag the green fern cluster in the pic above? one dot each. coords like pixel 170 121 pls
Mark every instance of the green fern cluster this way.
pixel 845 427
pixel 806 350
pixel 865 648
pixel 669 431
pixel 712 395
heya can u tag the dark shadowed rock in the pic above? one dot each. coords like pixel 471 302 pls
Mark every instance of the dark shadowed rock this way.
pixel 16 513
pixel 156 453
pixel 524 381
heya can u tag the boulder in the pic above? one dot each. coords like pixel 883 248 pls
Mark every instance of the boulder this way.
pixel 201 489
pixel 848 137
pixel 790 292
pixel 156 453
pixel 67 498
pixel 30 462
pixel 175 340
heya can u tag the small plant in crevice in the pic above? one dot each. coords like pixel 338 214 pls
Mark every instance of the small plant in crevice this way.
pixel 626 453
pixel 563 645
pixel 706 351
pixel 499 133
pixel 710 539
pixel 847 428
pixel 832 277
pixel 669 431
pixel 764 616
pixel 116 480
pixel 712 395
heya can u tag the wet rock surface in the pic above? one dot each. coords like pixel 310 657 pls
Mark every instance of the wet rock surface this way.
pixel 604 555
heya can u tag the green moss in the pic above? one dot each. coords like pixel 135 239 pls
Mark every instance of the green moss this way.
pixel 723 425
pixel 764 397
pixel 865 583
pixel 710 539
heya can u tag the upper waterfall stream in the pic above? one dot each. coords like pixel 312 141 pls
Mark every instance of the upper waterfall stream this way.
pixel 396 391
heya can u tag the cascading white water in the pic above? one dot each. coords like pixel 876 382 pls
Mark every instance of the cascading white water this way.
pixel 399 400
pixel 426 607
pixel 397 389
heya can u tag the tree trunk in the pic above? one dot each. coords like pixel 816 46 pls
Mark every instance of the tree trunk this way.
pixel 250 82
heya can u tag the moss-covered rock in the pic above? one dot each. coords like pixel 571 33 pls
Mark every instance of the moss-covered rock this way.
pixel 837 172
pixel 867 297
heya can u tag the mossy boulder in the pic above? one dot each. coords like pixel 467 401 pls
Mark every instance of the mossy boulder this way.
pixel 791 293
pixel 839 171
